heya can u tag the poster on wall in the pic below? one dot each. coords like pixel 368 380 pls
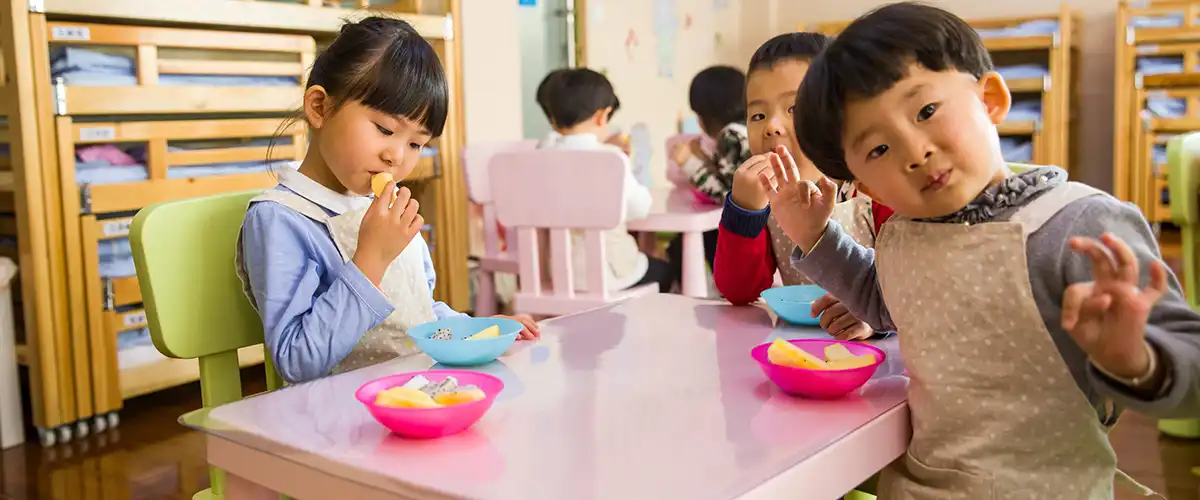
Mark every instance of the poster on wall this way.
pixel 666 27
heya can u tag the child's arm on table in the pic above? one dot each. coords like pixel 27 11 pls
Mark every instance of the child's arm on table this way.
pixel 745 263
pixel 834 260
pixel 306 334
pixel 1143 333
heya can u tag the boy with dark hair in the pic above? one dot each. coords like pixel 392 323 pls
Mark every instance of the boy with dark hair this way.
pixel 1030 310
pixel 581 102
pixel 751 247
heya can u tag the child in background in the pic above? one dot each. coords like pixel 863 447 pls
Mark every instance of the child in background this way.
pixel 1030 310
pixel 751 247
pixel 581 103
pixel 718 97
pixel 339 278
pixel 544 90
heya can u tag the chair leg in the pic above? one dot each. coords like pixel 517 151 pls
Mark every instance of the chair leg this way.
pixel 485 295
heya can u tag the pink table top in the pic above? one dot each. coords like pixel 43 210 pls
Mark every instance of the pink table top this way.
pixel 676 210
pixel 654 397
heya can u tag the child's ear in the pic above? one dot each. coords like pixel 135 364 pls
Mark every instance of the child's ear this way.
pixel 601 116
pixel 995 96
pixel 317 106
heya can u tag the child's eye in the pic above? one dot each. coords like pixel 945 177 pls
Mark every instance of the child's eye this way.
pixel 415 146
pixel 926 112
pixel 757 117
pixel 791 109
pixel 382 130
pixel 877 152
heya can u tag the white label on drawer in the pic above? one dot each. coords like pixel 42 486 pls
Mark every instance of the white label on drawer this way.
pixel 1147 49
pixel 90 134
pixel 116 228
pixel 135 319
pixel 70 33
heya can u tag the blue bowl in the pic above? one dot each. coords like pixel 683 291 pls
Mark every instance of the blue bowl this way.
pixel 794 303
pixel 461 352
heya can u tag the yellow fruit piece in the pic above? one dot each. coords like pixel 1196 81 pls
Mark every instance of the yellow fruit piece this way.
pixel 459 397
pixel 379 182
pixel 835 352
pixel 785 353
pixel 405 397
pixel 852 362
pixel 490 332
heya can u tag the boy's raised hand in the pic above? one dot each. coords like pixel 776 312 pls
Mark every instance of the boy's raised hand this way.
pixel 802 208
pixel 1107 316
pixel 388 227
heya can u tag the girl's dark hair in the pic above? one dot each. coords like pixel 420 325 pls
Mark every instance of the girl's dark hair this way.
pixel 718 96
pixel 578 93
pixel 387 66
pixel 803 46
pixel 545 89
pixel 873 54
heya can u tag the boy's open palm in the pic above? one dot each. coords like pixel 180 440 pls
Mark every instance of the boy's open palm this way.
pixel 1107 316
pixel 802 208
pixel 388 227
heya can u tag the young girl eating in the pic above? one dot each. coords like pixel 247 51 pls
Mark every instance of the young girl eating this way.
pixel 339 278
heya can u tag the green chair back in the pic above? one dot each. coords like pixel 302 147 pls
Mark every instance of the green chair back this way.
pixel 1183 187
pixel 184 252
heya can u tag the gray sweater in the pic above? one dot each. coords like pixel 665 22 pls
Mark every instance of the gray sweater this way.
pixel 847 270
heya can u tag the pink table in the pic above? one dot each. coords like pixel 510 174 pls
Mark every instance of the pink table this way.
pixel 676 211
pixel 655 397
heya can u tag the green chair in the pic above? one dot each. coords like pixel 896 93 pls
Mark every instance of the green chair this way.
pixel 1183 185
pixel 184 254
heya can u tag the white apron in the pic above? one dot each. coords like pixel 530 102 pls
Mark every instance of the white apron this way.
pixel 404 284
pixel 995 411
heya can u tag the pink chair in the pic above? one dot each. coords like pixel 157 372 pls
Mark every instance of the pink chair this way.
pixel 494 260
pixel 676 175
pixel 588 197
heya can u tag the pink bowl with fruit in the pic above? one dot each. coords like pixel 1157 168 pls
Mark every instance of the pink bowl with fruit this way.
pixel 430 423
pixel 816 383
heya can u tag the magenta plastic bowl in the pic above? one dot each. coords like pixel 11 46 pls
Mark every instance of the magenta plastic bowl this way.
pixel 818 384
pixel 430 423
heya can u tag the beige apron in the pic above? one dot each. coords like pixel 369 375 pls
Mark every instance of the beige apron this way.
pixel 854 215
pixel 995 411
pixel 404 284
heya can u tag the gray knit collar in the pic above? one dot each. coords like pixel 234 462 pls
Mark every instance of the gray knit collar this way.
pixel 1014 191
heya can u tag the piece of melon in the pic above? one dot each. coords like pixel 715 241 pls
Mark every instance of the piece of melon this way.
pixel 466 395
pixel 405 397
pixel 490 332
pixel 379 182
pixel 834 352
pixel 786 353
pixel 852 362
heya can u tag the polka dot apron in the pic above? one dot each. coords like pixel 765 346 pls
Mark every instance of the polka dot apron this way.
pixel 995 411
pixel 404 284
pixel 854 215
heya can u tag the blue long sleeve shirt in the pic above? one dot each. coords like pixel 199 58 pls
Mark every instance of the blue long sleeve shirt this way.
pixel 314 305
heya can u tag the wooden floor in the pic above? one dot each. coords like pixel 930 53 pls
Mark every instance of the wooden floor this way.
pixel 152 457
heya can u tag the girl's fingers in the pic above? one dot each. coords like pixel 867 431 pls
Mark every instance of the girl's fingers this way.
pixel 1158 282
pixel 1127 264
pixel 781 175
pixel 768 183
pixel 789 163
pixel 1103 266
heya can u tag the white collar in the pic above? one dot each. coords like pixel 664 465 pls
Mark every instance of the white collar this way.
pixel 578 140
pixel 328 199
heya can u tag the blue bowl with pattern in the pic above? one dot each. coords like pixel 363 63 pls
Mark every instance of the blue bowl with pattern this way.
pixel 794 303
pixel 457 350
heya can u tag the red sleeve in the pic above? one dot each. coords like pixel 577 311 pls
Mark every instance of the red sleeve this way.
pixel 743 267
pixel 881 214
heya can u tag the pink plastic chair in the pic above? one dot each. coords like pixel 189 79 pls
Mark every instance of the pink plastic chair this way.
pixel 494 260
pixel 587 196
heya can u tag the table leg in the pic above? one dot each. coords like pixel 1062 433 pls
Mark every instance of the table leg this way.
pixel 239 488
pixel 694 279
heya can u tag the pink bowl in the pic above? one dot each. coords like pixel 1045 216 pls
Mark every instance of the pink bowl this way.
pixel 429 423
pixel 819 384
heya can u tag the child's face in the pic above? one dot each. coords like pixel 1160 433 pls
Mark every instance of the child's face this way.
pixel 928 146
pixel 770 101
pixel 357 142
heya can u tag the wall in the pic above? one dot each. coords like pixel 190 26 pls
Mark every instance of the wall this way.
pixel 1094 114
pixel 650 50
pixel 491 70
